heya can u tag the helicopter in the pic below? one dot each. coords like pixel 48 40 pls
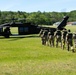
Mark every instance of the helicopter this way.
pixel 25 28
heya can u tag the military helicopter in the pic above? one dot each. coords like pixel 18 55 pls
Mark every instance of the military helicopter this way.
pixel 23 27
pixel 28 28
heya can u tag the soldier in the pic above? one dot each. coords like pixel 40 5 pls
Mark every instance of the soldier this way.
pixel 45 38
pixel 58 37
pixel 41 32
pixel 51 38
pixel 69 39
pixel 63 37
pixel 41 35
pixel 74 37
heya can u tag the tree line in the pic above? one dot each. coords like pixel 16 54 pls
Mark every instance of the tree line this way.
pixel 38 18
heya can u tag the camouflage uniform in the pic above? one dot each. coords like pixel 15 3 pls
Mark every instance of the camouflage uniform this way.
pixel 41 32
pixel 41 35
pixel 74 37
pixel 58 37
pixel 44 37
pixel 69 39
pixel 51 38
pixel 63 38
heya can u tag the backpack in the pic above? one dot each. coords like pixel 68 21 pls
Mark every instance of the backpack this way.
pixel 64 34
pixel 45 32
pixel 58 33
pixel 70 35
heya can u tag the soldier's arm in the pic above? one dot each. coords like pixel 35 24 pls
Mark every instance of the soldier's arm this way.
pixel 40 33
pixel 66 37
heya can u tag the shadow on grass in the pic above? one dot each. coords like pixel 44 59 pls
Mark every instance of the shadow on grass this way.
pixel 74 51
pixel 24 36
pixel 18 37
pixel 1 37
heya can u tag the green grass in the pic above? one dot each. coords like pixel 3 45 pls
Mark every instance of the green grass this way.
pixel 26 56
pixel 14 30
pixel 72 28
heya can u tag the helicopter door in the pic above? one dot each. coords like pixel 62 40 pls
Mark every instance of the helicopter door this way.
pixel 23 30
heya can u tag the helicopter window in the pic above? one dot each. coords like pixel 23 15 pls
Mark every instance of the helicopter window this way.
pixel 1 29
pixel 23 29
pixel 26 29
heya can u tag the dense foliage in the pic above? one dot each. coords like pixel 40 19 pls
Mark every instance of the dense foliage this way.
pixel 39 18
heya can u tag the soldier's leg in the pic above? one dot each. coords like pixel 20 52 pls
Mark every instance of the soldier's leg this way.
pixel 42 41
pixel 72 49
pixel 62 44
pixel 67 46
pixel 53 42
pixel 50 42
pixel 71 44
pixel 75 43
pixel 65 43
pixel 56 42
pixel 46 40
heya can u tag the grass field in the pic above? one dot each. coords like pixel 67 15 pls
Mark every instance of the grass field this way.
pixel 26 56
pixel 72 28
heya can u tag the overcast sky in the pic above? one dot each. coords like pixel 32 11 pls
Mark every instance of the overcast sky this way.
pixel 38 5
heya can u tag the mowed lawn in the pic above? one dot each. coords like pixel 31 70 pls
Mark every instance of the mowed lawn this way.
pixel 25 55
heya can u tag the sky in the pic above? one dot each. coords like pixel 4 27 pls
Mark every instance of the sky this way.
pixel 38 5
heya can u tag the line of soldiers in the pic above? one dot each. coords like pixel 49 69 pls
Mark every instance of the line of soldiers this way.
pixel 64 39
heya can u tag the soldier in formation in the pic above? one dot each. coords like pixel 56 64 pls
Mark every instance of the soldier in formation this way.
pixel 63 38
pixel 51 38
pixel 43 34
pixel 74 37
pixel 57 34
pixel 69 40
